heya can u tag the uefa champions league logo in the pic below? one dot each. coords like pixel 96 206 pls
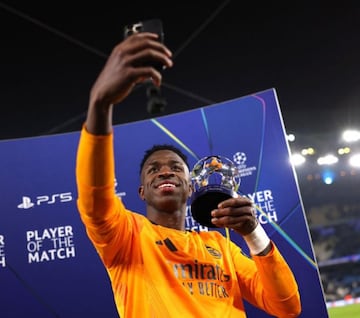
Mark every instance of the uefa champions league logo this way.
pixel 239 158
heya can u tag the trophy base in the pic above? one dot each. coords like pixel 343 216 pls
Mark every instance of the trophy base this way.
pixel 206 200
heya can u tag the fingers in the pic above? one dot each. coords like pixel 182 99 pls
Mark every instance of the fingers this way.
pixel 128 64
pixel 143 49
pixel 144 40
pixel 238 201
pixel 142 74
pixel 236 213
pixel 232 215
pixel 137 56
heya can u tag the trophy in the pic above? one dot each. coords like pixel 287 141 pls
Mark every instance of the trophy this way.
pixel 214 179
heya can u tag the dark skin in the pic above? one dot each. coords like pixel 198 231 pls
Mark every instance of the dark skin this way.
pixel 165 178
pixel 165 186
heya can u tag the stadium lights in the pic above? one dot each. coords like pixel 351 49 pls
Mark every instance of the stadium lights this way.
pixel 308 151
pixel 297 159
pixel 313 164
pixel 351 135
pixel 344 151
pixel 328 177
pixel 354 160
pixel 327 160
pixel 290 137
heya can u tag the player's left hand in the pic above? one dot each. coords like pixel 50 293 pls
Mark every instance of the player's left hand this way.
pixel 237 214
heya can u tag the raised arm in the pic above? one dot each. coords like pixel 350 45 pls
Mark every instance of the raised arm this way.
pixel 95 170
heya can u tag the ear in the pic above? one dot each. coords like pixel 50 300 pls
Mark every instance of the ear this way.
pixel 191 189
pixel 141 192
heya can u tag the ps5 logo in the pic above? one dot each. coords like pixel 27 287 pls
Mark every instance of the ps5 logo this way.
pixel 45 199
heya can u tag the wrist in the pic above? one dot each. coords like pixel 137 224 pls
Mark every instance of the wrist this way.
pixel 257 240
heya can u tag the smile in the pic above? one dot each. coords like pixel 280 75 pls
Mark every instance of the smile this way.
pixel 166 185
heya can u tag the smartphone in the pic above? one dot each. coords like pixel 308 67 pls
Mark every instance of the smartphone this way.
pixel 152 26
pixel 156 102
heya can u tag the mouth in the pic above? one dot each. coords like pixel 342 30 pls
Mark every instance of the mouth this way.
pixel 166 185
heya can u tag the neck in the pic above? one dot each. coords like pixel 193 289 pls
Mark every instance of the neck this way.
pixel 174 220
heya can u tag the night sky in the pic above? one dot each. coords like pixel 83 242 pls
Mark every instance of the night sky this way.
pixel 51 55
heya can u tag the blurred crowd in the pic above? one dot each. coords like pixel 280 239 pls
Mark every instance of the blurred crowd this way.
pixel 335 233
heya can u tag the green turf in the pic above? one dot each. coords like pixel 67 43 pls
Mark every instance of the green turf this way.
pixel 349 311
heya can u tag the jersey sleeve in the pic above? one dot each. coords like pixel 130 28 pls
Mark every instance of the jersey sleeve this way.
pixel 106 220
pixel 267 282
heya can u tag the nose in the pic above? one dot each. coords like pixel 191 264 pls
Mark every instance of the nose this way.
pixel 166 172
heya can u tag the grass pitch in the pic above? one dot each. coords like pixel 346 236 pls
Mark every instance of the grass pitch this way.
pixel 348 311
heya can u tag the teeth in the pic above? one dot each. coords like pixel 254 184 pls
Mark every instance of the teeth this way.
pixel 167 185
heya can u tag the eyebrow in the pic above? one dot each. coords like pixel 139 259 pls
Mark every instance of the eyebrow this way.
pixel 156 162
pixel 172 161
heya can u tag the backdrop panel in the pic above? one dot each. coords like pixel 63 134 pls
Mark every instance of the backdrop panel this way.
pixel 48 268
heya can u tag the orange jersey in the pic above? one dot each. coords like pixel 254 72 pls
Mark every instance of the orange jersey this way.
pixel 161 272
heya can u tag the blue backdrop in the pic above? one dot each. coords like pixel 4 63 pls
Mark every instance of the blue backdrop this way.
pixel 48 267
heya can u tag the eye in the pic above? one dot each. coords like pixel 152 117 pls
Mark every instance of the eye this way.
pixel 177 168
pixel 152 169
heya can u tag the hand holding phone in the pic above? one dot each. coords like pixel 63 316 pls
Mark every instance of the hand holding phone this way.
pixel 156 102
pixel 151 26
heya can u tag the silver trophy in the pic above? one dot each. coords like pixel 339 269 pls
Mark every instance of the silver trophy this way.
pixel 214 179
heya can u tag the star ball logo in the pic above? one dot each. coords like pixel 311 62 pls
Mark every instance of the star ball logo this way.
pixel 240 159
pixel 2 251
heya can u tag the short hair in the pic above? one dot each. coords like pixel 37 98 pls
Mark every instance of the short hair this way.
pixel 155 148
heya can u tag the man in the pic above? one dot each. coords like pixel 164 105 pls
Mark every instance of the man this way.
pixel 156 268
